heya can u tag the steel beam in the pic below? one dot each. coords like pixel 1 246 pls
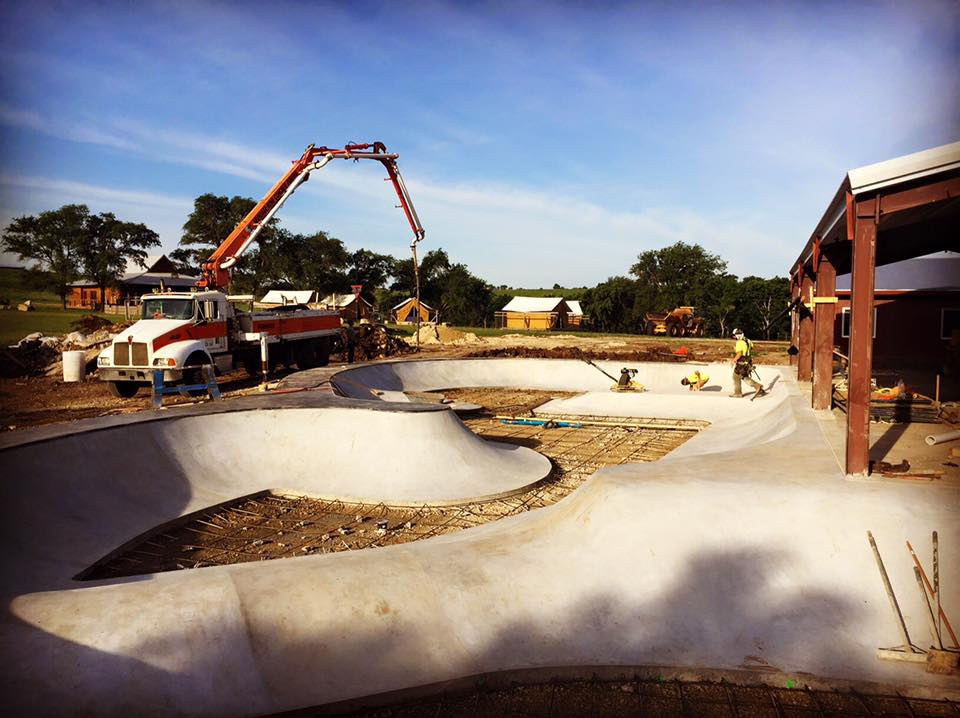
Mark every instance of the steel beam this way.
pixel 892 202
pixel 861 345
pixel 805 346
pixel 824 314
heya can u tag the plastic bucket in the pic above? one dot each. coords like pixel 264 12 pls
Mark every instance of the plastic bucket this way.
pixel 74 365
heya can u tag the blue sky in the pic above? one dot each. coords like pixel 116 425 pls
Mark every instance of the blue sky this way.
pixel 542 142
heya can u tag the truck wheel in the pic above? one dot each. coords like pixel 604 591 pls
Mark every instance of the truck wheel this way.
pixel 323 352
pixel 251 363
pixel 307 355
pixel 124 389
pixel 674 330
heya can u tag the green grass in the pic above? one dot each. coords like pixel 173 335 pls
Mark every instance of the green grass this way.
pixel 18 285
pixel 15 325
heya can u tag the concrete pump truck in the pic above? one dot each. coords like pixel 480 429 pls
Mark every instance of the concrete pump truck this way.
pixel 181 332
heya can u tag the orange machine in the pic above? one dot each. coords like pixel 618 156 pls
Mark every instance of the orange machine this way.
pixel 215 274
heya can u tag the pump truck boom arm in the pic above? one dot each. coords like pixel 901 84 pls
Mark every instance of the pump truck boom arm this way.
pixel 215 272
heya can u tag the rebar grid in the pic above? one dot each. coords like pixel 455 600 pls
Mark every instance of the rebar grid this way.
pixel 269 526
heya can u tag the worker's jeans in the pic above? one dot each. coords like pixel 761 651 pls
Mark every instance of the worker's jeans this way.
pixel 737 386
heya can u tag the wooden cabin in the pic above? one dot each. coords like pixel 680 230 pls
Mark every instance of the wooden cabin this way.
pixel 534 313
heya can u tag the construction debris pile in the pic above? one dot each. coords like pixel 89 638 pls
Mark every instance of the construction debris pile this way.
pixel 655 353
pixel 37 355
pixel 443 334
pixel 375 341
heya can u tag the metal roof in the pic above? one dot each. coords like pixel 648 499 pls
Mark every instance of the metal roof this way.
pixel 574 306
pixel 905 169
pixel 341 300
pixel 533 304
pixel 881 175
pixel 288 296
pixel 938 272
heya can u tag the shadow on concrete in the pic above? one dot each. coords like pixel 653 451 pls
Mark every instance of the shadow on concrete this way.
pixel 883 445
pixel 724 609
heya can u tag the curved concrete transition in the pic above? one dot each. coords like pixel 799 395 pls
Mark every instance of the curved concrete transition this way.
pixel 743 549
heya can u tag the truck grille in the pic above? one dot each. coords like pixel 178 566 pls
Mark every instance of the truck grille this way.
pixel 122 354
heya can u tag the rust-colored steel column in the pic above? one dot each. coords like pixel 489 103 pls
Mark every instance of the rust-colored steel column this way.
pixel 823 322
pixel 805 354
pixel 861 345
pixel 794 317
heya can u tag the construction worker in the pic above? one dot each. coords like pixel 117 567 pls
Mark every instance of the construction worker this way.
pixel 695 381
pixel 350 339
pixel 743 365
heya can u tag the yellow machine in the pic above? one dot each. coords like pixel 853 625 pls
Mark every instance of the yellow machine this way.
pixel 680 322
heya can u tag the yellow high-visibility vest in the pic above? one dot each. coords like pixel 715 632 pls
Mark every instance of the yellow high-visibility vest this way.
pixel 697 377
pixel 744 347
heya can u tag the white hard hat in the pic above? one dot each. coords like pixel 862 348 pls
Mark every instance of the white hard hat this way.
pixel 738 333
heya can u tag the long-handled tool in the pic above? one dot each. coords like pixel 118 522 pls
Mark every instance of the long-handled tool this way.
pixel 935 588
pixel 599 369
pixel 907 651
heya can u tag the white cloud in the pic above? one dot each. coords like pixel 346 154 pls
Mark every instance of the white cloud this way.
pixel 505 233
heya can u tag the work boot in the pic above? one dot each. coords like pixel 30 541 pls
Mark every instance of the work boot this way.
pixel 735 396
pixel 760 392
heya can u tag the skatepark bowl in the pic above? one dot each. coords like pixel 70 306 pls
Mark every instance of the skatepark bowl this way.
pixel 661 547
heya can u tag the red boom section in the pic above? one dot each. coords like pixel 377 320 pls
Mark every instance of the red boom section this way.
pixel 216 276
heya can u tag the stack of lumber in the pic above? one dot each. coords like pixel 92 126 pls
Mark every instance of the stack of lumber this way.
pixel 906 408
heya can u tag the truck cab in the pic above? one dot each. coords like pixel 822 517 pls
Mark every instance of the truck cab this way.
pixel 178 333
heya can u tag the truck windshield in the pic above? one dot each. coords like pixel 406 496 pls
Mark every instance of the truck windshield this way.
pixel 167 308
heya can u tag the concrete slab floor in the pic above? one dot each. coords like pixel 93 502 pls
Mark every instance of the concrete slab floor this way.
pixel 894 442
pixel 743 550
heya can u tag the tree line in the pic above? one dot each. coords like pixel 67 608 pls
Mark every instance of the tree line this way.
pixel 687 275
pixel 70 243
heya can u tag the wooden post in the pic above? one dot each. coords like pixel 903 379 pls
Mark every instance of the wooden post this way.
pixel 824 314
pixel 861 345
pixel 805 355
pixel 794 316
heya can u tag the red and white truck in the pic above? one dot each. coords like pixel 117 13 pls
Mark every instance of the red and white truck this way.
pixel 180 332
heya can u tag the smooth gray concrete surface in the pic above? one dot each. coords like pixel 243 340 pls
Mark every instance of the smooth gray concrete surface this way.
pixel 744 548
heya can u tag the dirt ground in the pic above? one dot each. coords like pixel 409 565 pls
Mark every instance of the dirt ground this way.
pixel 26 402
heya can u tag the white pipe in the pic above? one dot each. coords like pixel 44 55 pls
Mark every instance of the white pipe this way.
pixel 935 439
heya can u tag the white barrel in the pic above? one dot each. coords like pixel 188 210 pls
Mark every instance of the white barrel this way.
pixel 74 365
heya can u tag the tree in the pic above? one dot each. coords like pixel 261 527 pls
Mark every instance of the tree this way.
pixel 762 300
pixel 723 296
pixel 610 305
pixel 52 239
pixel 676 275
pixel 286 260
pixel 370 270
pixel 212 220
pixel 433 267
pixel 464 298
pixel 107 245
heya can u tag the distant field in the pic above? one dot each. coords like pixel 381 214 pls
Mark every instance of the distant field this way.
pixel 49 318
